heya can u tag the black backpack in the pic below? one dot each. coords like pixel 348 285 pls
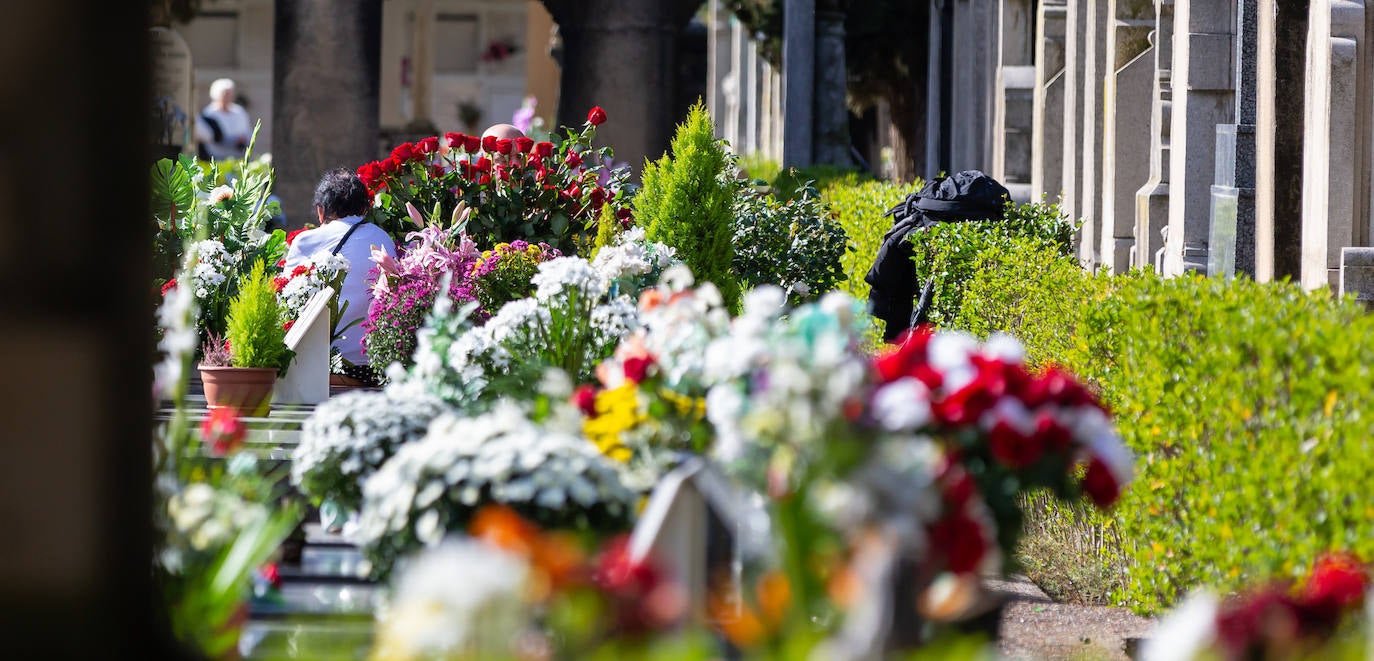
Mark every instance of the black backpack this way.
pixel 967 195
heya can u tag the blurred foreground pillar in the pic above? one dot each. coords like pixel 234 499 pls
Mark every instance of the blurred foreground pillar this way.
pixel 76 333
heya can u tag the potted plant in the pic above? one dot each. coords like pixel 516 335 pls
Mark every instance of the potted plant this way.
pixel 255 341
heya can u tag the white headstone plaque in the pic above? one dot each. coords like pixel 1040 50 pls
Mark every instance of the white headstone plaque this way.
pixel 307 380
pixel 172 87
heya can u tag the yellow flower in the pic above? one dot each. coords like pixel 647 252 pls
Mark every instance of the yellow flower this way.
pixel 617 411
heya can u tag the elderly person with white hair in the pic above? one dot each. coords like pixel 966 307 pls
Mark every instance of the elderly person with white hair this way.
pixel 223 128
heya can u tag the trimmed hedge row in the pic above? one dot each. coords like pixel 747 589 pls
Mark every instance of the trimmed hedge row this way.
pixel 1250 407
pixel 860 208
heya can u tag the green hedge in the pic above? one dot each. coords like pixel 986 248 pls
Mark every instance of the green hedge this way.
pixel 1250 407
pixel 859 208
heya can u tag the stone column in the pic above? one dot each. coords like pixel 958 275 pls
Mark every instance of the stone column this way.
pixel 325 90
pixel 1279 138
pixel 1232 240
pixel 422 55
pixel 939 82
pixel 720 85
pixel 973 70
pixel 1203 95
pixel 1047 129
pixel 1126 93
pixel 1097 61
pixel 1332 167
pixel 1075 52
pixel 798 80
pixel 1152 200
pixel 831 122
pixel 1012 113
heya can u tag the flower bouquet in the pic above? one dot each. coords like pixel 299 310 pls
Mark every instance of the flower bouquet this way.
pixel 545 192
pixel 438 483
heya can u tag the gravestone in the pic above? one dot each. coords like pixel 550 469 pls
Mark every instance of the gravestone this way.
pixel 798 80
pixel 172 86
pixel 1232 238
pixel 1097 61
pixel 1152 200
pixel 1126 127
pixel 1047 132
pixel 307 379
pixel 1357 275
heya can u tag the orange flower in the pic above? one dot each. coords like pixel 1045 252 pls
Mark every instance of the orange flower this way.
pixel 502 527
pixel 650 299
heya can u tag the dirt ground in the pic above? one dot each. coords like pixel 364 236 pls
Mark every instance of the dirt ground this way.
pixel 1035 627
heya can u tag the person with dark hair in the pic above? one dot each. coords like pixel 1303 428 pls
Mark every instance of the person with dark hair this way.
pixel 341 204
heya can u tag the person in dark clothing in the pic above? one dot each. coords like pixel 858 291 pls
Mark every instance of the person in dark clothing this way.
pixel 967 195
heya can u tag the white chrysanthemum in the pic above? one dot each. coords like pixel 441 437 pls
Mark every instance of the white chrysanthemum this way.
pixel 617 318
pixel 461 598
pixel 208 264
pixel 903 405
pixel 563 273
pixel 220 194
pixel 1184 633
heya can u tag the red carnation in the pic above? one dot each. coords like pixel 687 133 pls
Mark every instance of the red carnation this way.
pixel 636 367
pixel 1100 484
pixel 584 398
pixel 504 146
pixel 169 286
pixel 524 145
pixel 403 152
pixel 429 145
pixel 961 540
pixel 544 149
pixel 596 116
pixel 472 143
pixel 489 144
pixel 287 326
pixel 223 431
pixel 279 283
pixel 300 269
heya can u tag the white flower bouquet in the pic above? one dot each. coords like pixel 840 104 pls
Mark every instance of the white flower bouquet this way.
pixel 349 437
pixel 556 479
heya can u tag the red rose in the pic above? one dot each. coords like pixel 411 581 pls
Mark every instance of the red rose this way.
pixel 639 593
pixel 391 165
pixel 1338 582
pixel 291 236
pixel 454 140
pixel 483 164
pixel 1050 434
pixel 429 145
pixel 504 146
pixel 472 143
pixel 636 367
pixel 596 116
pixel 1011 447
pixel 573 159
pixel 544 149
pixel 1100 484
pixel 598 197
pixel 489 144
pixel 403 152
pixel 960 538
pixel 626 218
pixel 524 145
pixel 169 286
pixel 502 173
pixel 279 283
pixel 223 431
pixel 287 326
pixel 484 180
pixel 270 573
pixel 574 192
pixel 584 398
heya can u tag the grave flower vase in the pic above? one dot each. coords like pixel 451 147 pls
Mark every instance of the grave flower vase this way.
pixel 245 390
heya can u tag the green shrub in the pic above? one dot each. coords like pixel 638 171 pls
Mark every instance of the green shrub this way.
pixel 255 332
pixel 1250 407
pixel 948 252
pixel 797 245
pixel 788 182
pixel 759 168
pixel 859 209
pixel 687 202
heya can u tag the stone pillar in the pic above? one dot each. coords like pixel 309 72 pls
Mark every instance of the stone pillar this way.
pixel 621 55
pixel 973 70
pixel 831 128
pixel 1126 94
pixel 1152 200
pixel 798 80
pixel 1047 129
pixel 1075 52
pixel 1331 153
pixel 1231 244
pixel 1203 95
pixel 939 85
pixel 325 90
pixel 1012 113
pixel 1097 61
pixel 720 89
pixel 422 55
pixel 1279 124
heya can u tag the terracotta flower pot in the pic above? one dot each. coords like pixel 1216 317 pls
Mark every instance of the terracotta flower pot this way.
pixel 246 390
